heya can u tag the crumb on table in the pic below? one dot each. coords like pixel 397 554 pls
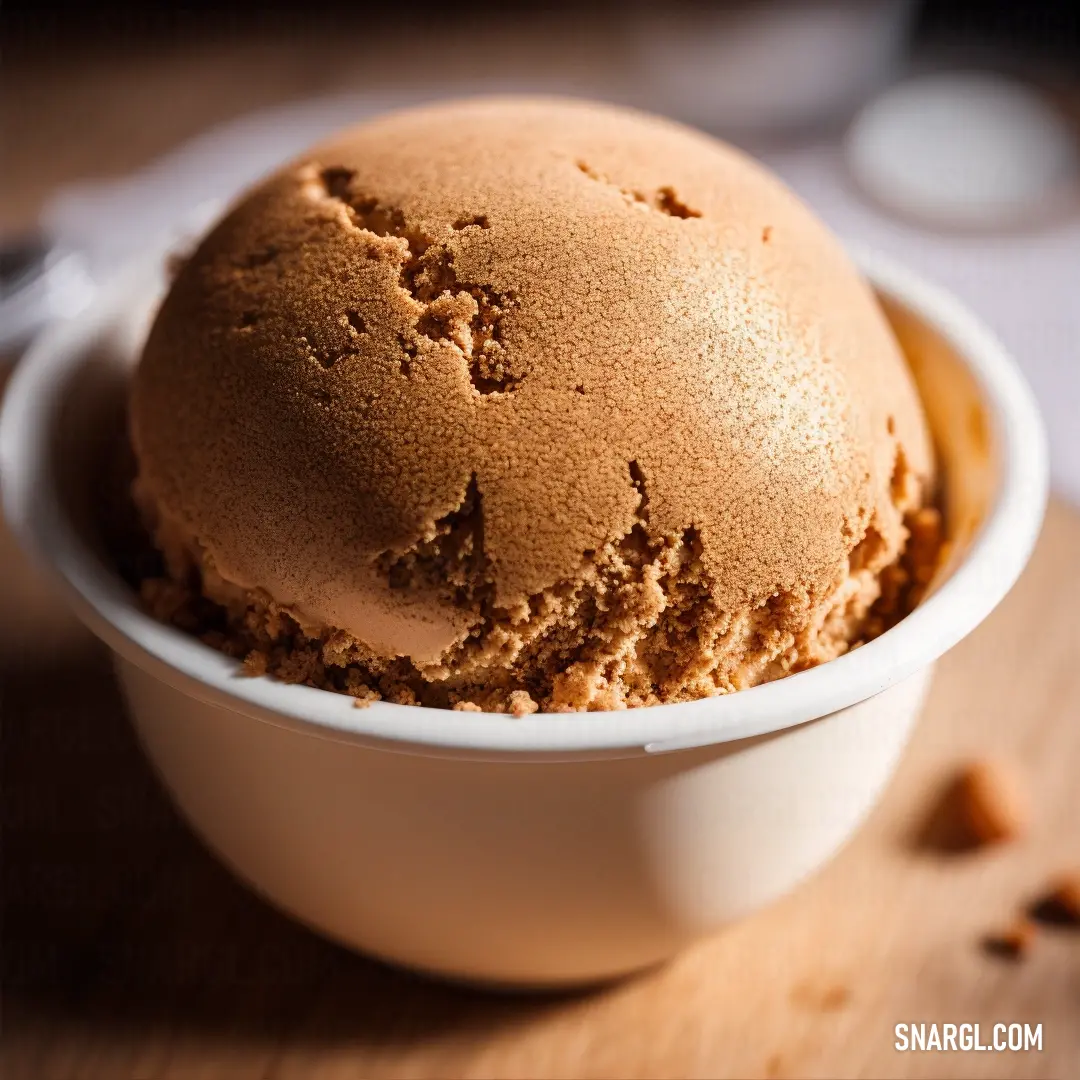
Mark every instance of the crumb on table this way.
pixel 1012 943
pixel 1060 904
pixel 994 802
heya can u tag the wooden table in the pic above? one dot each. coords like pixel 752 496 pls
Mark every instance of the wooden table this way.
pixel 130 953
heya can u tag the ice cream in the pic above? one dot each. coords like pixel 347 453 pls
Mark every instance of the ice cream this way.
pixel 515 404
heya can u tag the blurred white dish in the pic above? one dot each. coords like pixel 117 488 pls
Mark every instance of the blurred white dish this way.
pixel 964 150
pixel 765 65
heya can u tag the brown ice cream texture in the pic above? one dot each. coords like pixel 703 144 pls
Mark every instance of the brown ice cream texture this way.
pixel 519 403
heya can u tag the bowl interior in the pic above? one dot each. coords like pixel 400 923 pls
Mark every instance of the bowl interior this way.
pixel 969 453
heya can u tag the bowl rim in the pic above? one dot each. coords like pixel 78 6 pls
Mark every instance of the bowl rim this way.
pixel 997 554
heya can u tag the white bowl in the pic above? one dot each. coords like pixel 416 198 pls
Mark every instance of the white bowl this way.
pixel 550 849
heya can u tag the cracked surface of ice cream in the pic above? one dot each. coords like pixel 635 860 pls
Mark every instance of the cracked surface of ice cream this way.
pixel 518 403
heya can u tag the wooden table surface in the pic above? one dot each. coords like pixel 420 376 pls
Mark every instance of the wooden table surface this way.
pixel 129 952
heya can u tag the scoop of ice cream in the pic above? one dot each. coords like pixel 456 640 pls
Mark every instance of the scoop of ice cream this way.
pixel 531 397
